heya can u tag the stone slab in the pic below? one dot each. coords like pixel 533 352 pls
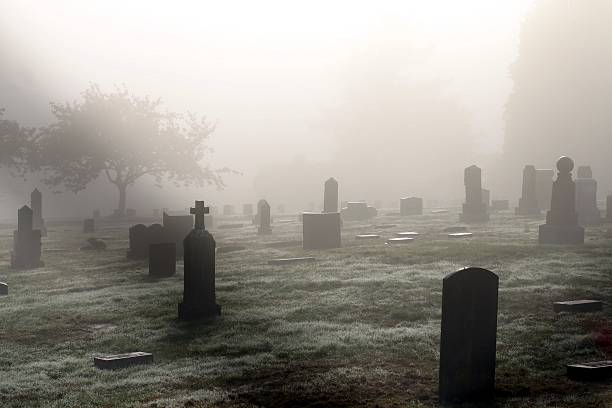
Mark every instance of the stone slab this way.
pixel 367 236
pixel 404 240
pixel 407 234
pixel 285 261
pixel 460 235
pixel 593 371
pixel 123 360
pixel 578 306
pixel 3 289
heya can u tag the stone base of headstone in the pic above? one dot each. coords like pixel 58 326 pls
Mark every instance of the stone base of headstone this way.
pixel 321 231
pixel 162 260
pixel 578 306
pixel 123 360
pixel 594 371
pixel 3 289
pixel 561 234
pixel 474 217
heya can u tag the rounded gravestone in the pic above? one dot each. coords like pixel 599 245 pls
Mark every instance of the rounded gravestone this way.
pixel 565 164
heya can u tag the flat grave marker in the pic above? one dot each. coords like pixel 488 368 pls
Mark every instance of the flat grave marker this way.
pixel 407 234
pixel 403 240
pixel 367 236
pixel 593 371
pixel 578 306
pixel 123 360
pixel 460 235
pixel 3 289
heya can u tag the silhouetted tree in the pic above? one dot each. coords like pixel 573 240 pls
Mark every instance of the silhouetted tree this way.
pixel 561 102
pixel 123 137
pixel 14 144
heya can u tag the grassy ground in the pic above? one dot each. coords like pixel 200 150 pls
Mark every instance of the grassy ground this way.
pixel 358 327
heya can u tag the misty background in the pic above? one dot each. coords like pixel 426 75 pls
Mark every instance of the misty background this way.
pixel 391 98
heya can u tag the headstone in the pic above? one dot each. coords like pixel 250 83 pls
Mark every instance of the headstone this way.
pixel 38 222
pixel 178 227
pixel 474 209
pixel 263 209
pixel 26 242
pixel 460 235
pixel 468 336
pixel 358 211
pixel 3 289
pixel 500 205
pixel 407 234
pixel 609 208
pixel 285 261
pixel 89 225
pixel 544 183
pixel 593 371
pixel 578 306
pixel 321 231
pixel 123 360
pixel 411 206
pixel 402 240
pixel 528 203
pixel 562 220
pixel 199 297
pixel 162 260
pixel 367 236
pixel 247 209
pixel 330 196
pixel 486 198
pixel 228 210
pixel 586 197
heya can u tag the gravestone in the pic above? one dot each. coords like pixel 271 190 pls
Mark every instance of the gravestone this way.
pixel 544 183
pixel 3 289
pixel 247 209
pixel 468 336
pixel 411 206
pixel 358 211
pixel 122 360
pixel 593 371
pixel 400 240
pixel 500 205
pixel 228 210
pixel 586 197
pixel 26 242
pixel 38 222
pixel 578 306
pixel 162 260
pixel 474 209
pixel 330 196
pixel 321 231
pixel 178 227
pixel 141 237
pixel 89 225
pixel 562 220
pixel 528 203
pixel 486 198
pixel 263 209
pixel 199 297
pixel 609 208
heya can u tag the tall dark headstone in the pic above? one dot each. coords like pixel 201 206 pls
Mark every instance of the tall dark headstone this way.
pixel 562 220
pixel 474 209
pixel 26 242
pixel 199 298
pixel 586 197
pixel 330 196
pixel 468 336
pixel 38 222
pixel 528 203
pixel 263 210
pixel 321 231
pixel 138 242
pixel 411 206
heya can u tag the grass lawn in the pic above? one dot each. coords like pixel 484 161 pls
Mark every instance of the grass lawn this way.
pixel 360 326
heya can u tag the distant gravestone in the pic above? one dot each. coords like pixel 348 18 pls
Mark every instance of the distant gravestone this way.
pixel 38 222
pixel 586 197
pixel 577 306
pixel 26 242
pixel 411 206
pixel 228 210
pixel 89 225
pixel 330 196
pixel 367 236
pixel 528 203
pixel 358 211
pixel 199 297
pixel 593 371
pixel 162 260
pixel 562 220
pixel 3 289
pixel 122 360
pixel 321 231
pixel 468 336
pixel 138 242
pixel 400 240
pixel 609 208
pixel 474 209
pixel 263 209
pixel 544 183
pixel 247 209
pixel 178 227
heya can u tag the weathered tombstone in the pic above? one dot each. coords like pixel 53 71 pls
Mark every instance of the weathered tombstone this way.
pixel 544 183
pixel 247 209
pixel 411 206
pixel 38 222
pixel 199 298
pixel 474 210
pixel 138 242
pixel 586 197
pixel 26 242
pixel 358 211
pixel 562 220
pixel 486 198
pixel 263 209
pixel 89 225
pixel 228 210
pixel 162 260
pixel 3 289
pixel 122 360
pixel 177 228
pixel 609 208
pixel 500 205
pixel 528 203
pixel 321 231
pixel 330 196
pixel 468 336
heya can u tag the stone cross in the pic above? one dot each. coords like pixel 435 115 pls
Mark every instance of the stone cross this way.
pixel 199 211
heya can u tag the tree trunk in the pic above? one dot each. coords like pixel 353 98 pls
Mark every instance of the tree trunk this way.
pixel 120 212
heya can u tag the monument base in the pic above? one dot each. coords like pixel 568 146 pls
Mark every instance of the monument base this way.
pixel 188 312
pixel 561 234
pixel 474 217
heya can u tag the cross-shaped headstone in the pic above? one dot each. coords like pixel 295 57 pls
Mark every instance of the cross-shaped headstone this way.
pixel 199 212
